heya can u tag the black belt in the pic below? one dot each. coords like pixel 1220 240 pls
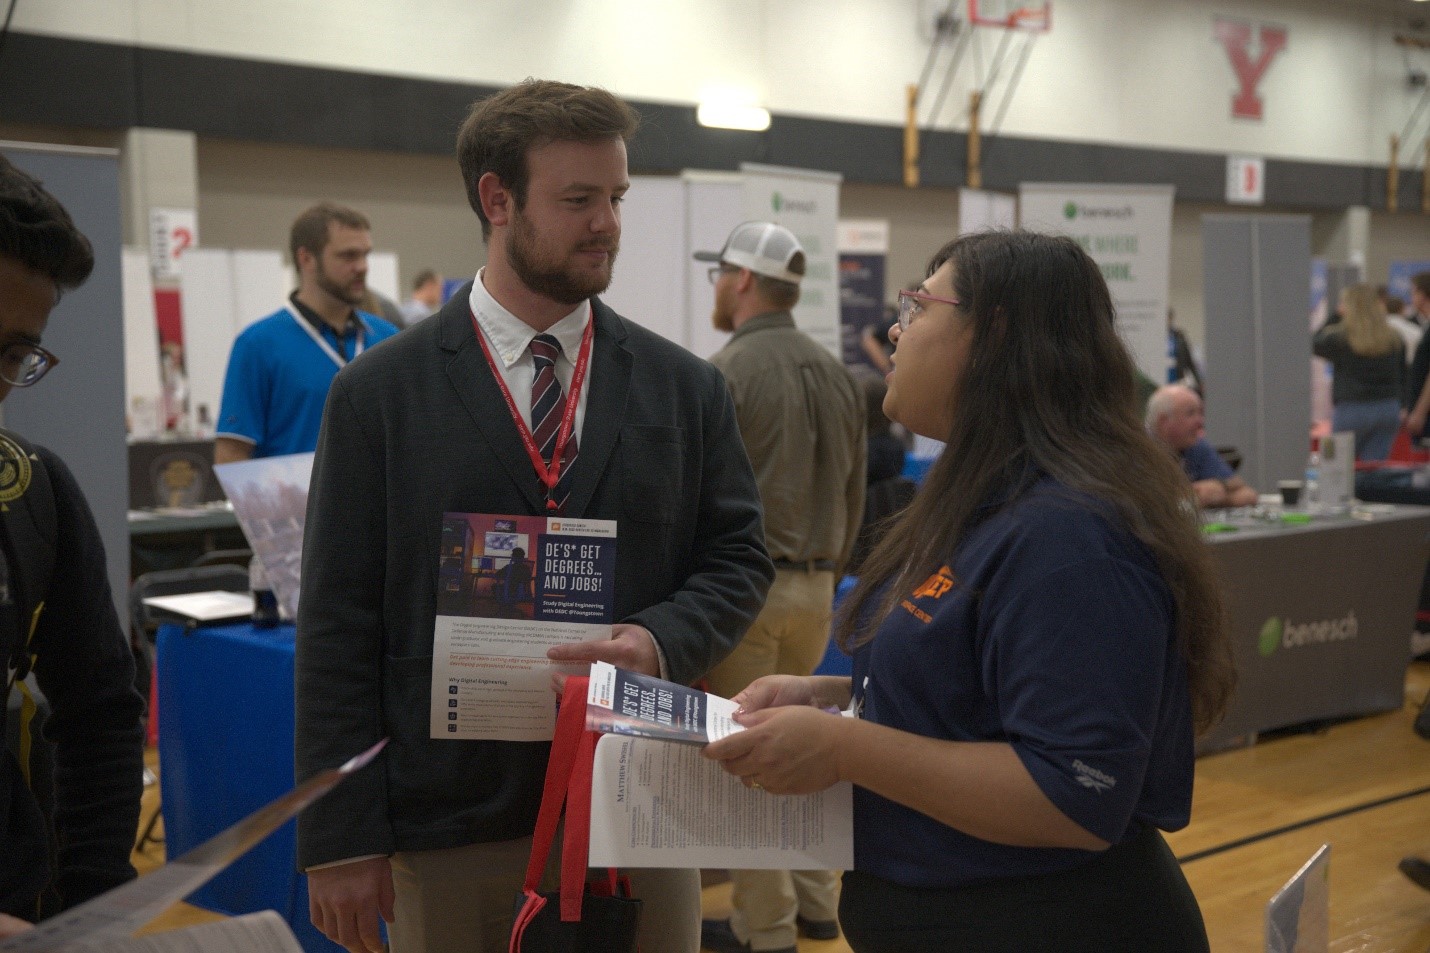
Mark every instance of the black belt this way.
pixel 806 565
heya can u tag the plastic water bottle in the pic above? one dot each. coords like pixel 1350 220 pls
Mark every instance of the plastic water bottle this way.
pixel 265 603
pixel 1312 489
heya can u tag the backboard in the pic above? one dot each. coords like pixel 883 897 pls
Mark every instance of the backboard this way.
pixel 1028 15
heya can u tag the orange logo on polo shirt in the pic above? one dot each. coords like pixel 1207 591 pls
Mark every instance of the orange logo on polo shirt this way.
pixel 936 585
pixel 934 588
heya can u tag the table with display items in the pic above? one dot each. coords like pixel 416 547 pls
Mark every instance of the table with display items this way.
pixel 225 750
pixel 1319 613
pixel 168 538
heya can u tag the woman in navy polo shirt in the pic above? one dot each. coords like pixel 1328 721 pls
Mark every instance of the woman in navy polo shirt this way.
pixel 1037 640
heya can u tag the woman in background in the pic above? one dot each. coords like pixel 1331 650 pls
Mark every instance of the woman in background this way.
pixel 1036 640
pixel 1368 358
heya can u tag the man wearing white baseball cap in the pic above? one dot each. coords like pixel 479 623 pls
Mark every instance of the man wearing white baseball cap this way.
pixel 802 419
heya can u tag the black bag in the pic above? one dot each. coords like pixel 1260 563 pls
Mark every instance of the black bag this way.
pixel 597 916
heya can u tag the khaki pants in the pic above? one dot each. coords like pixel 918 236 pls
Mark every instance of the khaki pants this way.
pixel 461 900
pixel 788 638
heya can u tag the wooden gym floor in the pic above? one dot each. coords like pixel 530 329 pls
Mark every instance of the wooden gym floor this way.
pixel 1258 813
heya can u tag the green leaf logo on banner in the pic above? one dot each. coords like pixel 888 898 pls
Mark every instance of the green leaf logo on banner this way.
pixel 1270 636
pixel 1070 210
pixel 776 200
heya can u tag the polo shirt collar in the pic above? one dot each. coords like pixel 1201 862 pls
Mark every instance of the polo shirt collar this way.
pixel 354 324
pixel 510 336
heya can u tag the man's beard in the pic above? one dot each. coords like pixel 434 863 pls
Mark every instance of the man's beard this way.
pixel 341 292
pixel 721 319
pixel 546 277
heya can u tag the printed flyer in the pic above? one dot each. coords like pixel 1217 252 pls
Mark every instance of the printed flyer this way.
pixel 508 589
pixel 629 703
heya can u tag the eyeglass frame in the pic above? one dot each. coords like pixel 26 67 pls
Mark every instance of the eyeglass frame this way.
pixel 48 362
pixel 905 319
pixel 715 271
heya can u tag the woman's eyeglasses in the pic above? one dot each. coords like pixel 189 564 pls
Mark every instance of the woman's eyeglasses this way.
pixel 911 305
pixel 23 364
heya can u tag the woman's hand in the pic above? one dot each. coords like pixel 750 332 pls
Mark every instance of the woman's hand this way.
pixel 773 691
pixel 10 926
pixel 786 750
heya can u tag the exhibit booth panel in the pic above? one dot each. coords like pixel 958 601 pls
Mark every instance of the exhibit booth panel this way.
pixel 1257 288
pixel 666 219
pixel 649 283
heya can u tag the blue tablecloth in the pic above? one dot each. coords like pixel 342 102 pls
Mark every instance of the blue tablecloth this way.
pixel 225 750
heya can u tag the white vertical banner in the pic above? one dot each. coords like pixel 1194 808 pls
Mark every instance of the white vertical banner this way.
pixel 143 387
pixel 1127 229
pixel 649 282
pixel 172 231
pixel 979 211
pixel 806 202
pixel 382 275
pixel 210 323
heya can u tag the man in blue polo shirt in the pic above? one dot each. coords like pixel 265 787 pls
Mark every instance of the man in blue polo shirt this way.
pixel 280 367
pixel 1175 419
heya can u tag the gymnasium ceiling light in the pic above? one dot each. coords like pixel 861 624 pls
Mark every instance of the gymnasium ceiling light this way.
pixel 733 116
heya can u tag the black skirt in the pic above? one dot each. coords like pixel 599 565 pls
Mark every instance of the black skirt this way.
pixel 1129 897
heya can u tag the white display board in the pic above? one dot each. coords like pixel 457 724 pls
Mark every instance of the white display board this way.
pixel 143 384
pixel 382 275
pixel 261 283
pixel 649 283
pixel 714 205
pixel 979 211
pixel 807 203
pixel 1127 229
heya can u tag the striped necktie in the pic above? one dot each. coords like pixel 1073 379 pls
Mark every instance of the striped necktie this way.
pixel 547 407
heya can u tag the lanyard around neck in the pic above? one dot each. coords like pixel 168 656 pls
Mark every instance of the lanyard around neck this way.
pixel 549 475
pixel 322 342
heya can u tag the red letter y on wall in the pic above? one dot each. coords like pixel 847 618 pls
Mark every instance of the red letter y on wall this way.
pixel 1235 35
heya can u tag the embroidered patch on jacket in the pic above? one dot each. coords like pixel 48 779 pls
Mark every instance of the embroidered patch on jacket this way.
pixel 15 471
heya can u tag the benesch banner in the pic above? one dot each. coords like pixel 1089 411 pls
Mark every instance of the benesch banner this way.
pixel 806 202
pixel 1127 229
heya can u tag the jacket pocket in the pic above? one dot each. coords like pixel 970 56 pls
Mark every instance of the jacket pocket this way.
pixel 653 473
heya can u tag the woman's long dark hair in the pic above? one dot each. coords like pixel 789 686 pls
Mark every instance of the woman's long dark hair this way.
pixel 1049 388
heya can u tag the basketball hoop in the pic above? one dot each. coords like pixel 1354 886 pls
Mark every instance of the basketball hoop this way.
pixel 1012 15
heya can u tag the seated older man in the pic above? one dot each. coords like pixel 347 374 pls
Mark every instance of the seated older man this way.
pixel 1175 418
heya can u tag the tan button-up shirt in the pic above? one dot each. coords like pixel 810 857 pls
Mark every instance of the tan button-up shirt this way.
pixel 802 418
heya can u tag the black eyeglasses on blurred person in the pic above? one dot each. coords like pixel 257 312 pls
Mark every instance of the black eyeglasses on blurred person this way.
pixel 23 364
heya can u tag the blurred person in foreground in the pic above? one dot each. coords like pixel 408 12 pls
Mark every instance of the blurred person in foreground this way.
pixel 1367 357
pixel 1174 417
pixel 1037 641
pixel 57 615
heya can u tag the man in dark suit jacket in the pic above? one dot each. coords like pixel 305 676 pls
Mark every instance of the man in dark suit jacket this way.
pixel 425 425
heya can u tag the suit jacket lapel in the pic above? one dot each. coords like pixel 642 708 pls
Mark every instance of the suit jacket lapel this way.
pixel 610 374
pixel 479 393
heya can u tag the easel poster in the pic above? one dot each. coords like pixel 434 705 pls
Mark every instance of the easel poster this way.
pixel 508 589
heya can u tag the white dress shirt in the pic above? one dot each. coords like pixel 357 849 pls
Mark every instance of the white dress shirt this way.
pixel 509 338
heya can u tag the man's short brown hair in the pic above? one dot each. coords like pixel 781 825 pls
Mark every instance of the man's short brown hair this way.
pixel 501 129
pixel 1421 282
pixel 310 230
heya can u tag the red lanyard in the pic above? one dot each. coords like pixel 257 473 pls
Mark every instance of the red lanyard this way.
pixel 549 475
